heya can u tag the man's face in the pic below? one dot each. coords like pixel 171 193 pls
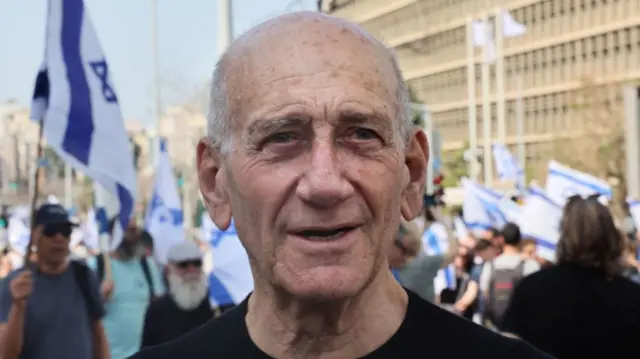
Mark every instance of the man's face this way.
pixel 318 175
pixel 52 241
pixel 529 250
pixel 187 283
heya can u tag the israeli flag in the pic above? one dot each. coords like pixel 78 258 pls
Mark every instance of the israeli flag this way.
pixel 107 207
pixel 481 207
pixel 475 216
pixel 507 167
pixel 510 209
pixel 18 230
pixel 541 221
pixel 91 231
pixel 74 97
pixel 436 242
pixel 230 278
pixel 165 219
pixel 564 182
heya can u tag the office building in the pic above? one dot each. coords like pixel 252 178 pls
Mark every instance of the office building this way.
pixel 568 44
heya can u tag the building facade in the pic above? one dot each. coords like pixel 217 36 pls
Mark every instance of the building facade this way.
pixel 568 43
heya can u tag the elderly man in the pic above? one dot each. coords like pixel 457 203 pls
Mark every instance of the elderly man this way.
pixel 187 306
pixel 312 151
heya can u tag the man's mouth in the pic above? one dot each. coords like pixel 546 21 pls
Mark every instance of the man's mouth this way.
pixel 324 234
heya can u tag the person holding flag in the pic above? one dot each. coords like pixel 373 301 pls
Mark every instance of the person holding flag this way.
pixel 52 309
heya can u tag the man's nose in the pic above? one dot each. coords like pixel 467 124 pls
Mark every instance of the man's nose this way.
pixel 323 183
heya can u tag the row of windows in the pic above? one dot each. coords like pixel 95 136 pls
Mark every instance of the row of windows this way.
pixel 541 19
pixel 609 53
pixel 551 113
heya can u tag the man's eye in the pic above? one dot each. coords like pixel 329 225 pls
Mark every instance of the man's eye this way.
pixel 364 134
pixel 282 137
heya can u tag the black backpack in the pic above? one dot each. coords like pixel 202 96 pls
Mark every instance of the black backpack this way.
pixel 81 273
pixel 502 282
pixel 145 270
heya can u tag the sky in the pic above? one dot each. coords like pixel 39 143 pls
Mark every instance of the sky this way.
pixel 186 37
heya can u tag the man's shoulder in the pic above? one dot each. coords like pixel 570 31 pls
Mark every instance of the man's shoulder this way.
pixel 215 338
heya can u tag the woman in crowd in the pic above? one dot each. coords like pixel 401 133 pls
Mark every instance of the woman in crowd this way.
pixel 583 306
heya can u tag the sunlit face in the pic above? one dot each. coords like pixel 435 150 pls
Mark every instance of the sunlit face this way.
pixel 52 242
pixel 318 175
pixel 529 250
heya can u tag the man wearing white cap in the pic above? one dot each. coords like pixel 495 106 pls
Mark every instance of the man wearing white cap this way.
pixel 186 306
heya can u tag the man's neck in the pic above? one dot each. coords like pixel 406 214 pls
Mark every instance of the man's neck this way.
pixel 510 250
pixel 52 269
pixel 287 328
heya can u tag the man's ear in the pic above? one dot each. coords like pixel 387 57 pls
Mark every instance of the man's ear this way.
pixel 213 184
pixel 416 162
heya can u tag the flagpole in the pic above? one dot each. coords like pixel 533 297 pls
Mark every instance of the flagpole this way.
pixel 225 25
pixel 157 102
pixel 486 105
pixel 34 192
pixel 471 94
pixel 68 188
pixel 632 140
pixel 500 91
pixel 520 122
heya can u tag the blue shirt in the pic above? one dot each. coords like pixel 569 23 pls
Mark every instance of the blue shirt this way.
pixel 127 306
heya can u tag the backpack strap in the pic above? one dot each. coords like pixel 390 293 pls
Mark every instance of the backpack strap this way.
pixel 81 275
pixel 100 267
pixel 147 275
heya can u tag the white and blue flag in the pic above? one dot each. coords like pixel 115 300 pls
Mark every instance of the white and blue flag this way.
pixel 507 167
pixel 436 242
pixel 564 182
pixel 77 103
pixel 541 218
pixel 230 279
pixel 18 229
pixel 164 220
pixel 481 207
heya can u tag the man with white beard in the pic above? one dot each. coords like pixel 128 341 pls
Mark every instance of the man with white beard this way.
pixel 186 306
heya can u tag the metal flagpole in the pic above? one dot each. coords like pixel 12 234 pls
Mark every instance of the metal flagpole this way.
pixel 68 188
pixel 632 139
pixel 157 108
pixel 471 94
pixel 500 91
pixel 225 25
pixel 486 104
pixel 520 122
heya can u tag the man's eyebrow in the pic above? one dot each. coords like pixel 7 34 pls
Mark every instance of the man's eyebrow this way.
pixel 370 116
pixel 273 124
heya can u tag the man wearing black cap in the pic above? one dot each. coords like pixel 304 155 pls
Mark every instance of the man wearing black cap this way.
pixel 51 309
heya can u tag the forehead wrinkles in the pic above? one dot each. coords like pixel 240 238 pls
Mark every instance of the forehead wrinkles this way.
pixel 285 53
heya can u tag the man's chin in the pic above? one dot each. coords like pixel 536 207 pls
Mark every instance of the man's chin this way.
pixel 325 284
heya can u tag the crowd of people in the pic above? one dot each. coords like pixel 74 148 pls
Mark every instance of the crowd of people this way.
pixel 312 152
pixel 586 303
pixel 102 306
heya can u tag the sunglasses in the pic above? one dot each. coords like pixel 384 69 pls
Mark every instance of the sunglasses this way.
pixel 52 230
pixel 196 263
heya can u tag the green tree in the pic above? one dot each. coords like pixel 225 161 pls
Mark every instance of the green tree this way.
pixel 54 163
pixel 454 166
pixel 599 147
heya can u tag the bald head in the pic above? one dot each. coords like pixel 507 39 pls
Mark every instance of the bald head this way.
pixel 292 46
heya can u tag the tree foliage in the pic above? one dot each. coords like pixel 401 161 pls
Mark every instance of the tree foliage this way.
pixel 454 166
pixel 599 149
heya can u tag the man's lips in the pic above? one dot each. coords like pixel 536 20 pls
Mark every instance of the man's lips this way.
pixel 324 232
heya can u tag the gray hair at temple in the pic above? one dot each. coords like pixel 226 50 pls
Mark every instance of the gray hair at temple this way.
pixel 219 117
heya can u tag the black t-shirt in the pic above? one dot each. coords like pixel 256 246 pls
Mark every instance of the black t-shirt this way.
pixel 427 331
pixel 164 321
pixel 573 312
